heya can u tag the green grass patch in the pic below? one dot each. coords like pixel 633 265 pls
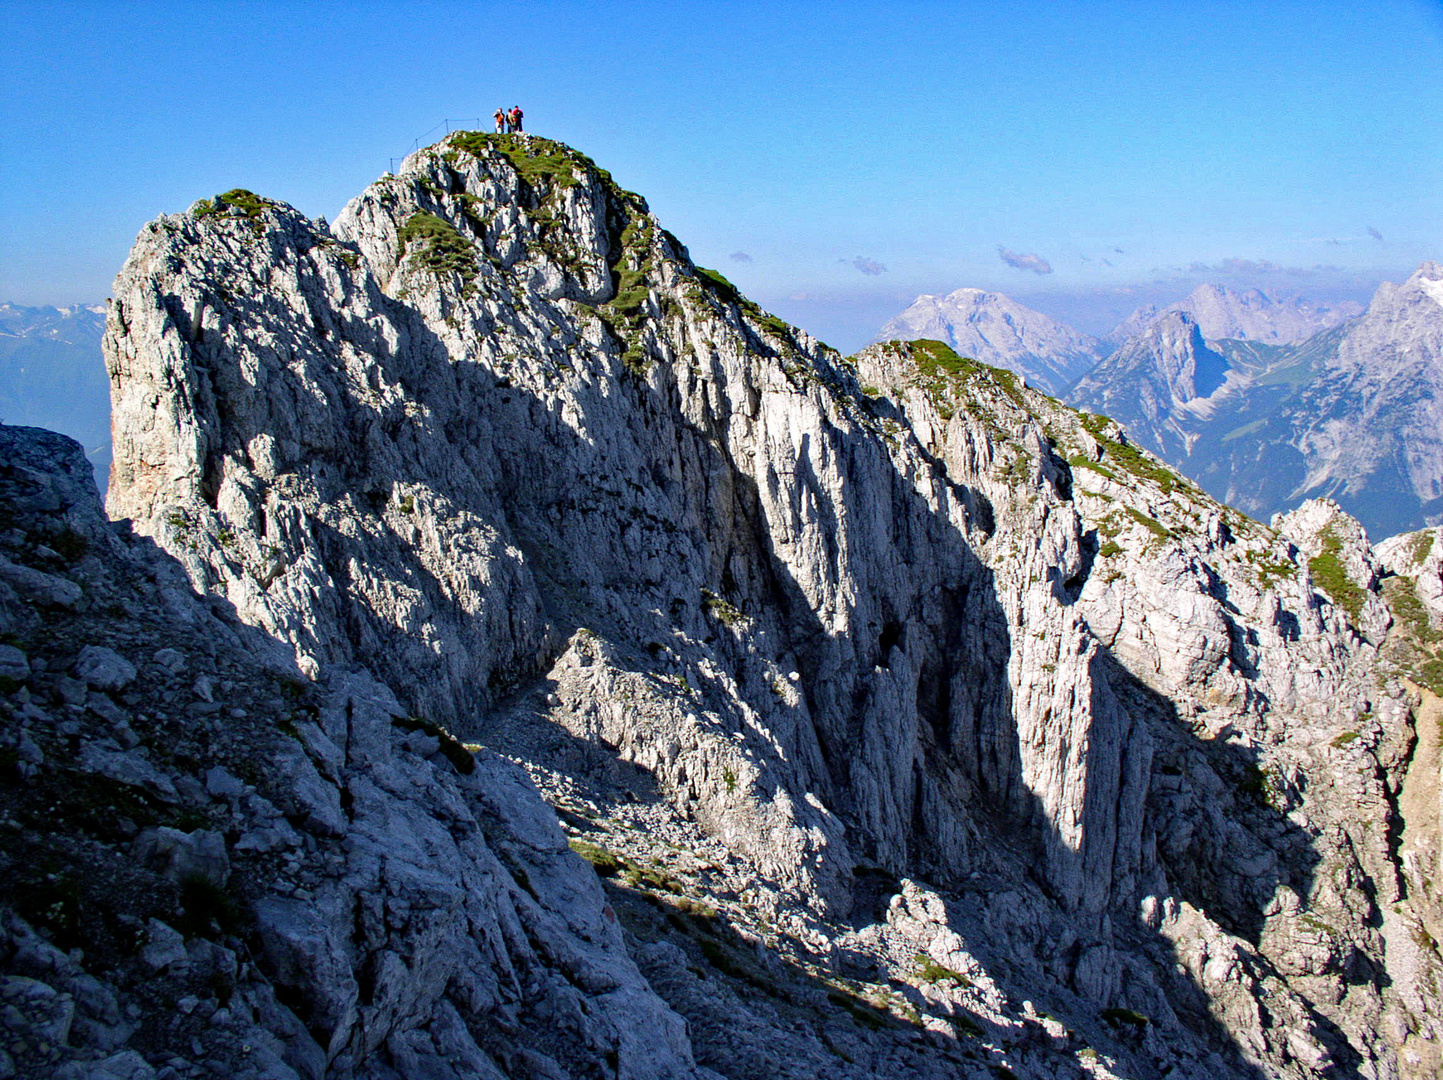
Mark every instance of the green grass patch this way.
pixel 929 971
pixel 535 160
pixel 441 250
pixel 1129 457
pixel 1159 531
pixel 1420 545
pixel 602 861
pixel 1271 571
pixel 863 1014
pixel 452 748
pixel 1082 461
pixel 1119 1017
pixel 1330 575
pixel 251 206
pixel 1402 596
pixel 719 282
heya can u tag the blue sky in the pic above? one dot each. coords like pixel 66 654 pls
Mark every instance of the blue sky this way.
pixel 834 165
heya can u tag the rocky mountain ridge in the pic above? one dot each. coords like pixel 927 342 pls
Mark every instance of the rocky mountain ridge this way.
pixel 915 724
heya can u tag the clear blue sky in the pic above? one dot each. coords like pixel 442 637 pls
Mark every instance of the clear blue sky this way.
pixel 798 148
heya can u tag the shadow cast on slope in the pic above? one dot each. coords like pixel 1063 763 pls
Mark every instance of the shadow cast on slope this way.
pixel 935 642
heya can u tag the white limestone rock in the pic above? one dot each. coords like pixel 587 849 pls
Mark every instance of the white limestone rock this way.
pixel 940 629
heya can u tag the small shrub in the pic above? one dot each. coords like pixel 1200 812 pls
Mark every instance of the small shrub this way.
pixel 206 908
pixel 929 971
pixel 1118 1017
pixel 602 861
pixel 68 544
pixel 720 610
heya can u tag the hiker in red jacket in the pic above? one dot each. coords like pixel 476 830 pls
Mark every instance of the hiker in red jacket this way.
pixel 516 115
pixel 501 125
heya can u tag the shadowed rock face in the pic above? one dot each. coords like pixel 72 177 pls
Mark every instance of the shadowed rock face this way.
pixel 495 439
pixel 214 866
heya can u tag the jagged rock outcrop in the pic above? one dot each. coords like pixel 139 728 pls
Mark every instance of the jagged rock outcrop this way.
pixel 997 330
pixel 981 739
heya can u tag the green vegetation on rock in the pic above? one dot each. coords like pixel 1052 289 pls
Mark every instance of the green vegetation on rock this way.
pixel 1331 576
pixel 929 971
pixel 443 250
pixel 250 205
pixel 1128 457
pixel 534 159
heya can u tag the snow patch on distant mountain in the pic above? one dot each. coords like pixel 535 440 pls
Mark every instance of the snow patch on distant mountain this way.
pixel 52 374
pixel 1433 289
pixel 997 330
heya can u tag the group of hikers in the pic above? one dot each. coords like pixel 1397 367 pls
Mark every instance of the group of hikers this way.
pixel 507 122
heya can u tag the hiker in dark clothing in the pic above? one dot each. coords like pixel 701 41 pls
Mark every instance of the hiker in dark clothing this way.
pixel 502 127
pixel 516 115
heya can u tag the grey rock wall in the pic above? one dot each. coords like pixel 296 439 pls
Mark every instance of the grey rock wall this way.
pixel 494 436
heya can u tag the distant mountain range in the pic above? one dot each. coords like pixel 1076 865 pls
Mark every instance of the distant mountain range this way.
pixel 997 330
pixel 52 375
pixel 1264 402
pixel 1249 315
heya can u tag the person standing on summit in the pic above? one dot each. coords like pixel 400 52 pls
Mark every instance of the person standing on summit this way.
pixel 516 115
pixel 501 126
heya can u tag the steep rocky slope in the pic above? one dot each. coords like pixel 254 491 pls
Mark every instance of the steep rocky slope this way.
pixel 918 725
pixel 997 330
pixel 213 866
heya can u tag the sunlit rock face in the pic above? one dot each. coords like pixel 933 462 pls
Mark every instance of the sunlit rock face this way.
pixel 932 669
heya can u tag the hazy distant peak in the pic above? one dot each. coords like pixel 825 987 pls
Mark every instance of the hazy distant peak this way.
pixel 997 330
pixel 1246 315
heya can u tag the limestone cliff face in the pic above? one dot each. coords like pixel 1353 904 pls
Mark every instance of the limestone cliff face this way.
pixel 494 438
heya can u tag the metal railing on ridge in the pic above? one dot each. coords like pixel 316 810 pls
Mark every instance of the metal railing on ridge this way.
pixel 445 126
